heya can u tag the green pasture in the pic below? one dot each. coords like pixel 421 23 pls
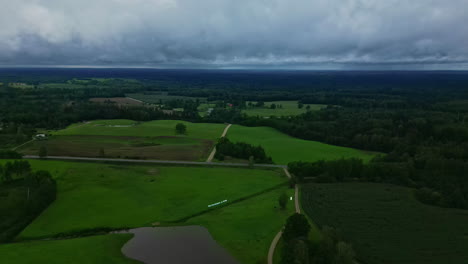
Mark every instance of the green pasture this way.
pixel 94 195
pixel 89 250
pixel 156 128
pixel 247 228
pixel 130 139
pixel 386 224
pixel 284 149
pixel 289 108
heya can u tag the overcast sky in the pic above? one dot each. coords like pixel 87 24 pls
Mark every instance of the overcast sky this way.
pixel 234 33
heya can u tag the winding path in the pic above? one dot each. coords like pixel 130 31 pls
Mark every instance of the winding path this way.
pixel 213 152
pixel 297 206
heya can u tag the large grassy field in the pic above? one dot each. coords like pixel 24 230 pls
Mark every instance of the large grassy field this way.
pixel 387 225
pixel 129 139
pixel 93 195
pixel 89 250
pixel 284 149
pixel 246 229
pixel 289 108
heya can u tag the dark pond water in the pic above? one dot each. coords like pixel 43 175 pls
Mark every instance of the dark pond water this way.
pixel 175 245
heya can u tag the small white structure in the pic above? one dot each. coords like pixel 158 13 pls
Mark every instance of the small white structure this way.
pixel 40 136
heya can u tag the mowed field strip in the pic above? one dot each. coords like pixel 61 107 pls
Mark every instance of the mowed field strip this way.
pixel 284 149
pixel 130 139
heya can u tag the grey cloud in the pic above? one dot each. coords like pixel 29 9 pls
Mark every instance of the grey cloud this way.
pixel 232 32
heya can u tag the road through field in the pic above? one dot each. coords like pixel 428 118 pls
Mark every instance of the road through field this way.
pixel 275 241
pixel 210 158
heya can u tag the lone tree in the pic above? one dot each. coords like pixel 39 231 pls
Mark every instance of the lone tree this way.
pixel 296 226
pixel 283 200
pixel 42 152
pixel 181 128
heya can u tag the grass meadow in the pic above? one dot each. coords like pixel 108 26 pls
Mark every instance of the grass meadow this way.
pixel 284 149
pixel 247 228
pixel 386 224
pixel 123 127
pixel 95 195
pixel 289 108
pixel 130 139
pixel 89 250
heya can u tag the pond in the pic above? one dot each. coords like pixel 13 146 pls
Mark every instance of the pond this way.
pixel 175 245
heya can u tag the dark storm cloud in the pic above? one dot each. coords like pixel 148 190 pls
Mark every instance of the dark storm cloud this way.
pixel 233 32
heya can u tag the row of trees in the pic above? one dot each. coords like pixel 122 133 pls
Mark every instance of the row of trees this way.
pixel 440 182
pixel 240 150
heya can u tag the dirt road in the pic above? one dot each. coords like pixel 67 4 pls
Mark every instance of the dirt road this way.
pixel 213 152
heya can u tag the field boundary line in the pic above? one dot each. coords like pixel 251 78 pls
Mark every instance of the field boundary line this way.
pixel 134 99
pixel 238 200
pixel 173 162
pixel 27 142
pixel 213 152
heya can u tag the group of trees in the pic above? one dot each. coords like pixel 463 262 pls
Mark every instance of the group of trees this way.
pixel 240 150
pixel 24 195
pixel 299 249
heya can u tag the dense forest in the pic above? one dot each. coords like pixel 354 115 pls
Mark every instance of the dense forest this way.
pixel 417 120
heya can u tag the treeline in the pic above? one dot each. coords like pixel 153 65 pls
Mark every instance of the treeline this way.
pixel 24 195
pixel 240 150
pixel 299 249
pixel 440 182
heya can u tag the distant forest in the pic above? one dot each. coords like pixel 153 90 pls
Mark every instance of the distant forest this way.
pixel 418 120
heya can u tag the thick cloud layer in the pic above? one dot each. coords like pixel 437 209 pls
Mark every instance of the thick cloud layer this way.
pixel 232 32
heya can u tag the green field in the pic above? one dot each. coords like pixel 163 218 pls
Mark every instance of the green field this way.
pixel 203 108
pixel 386 224
pixel 123 127
pixel 129 139
pixel 247 228
pixel 284 149
pixel 289 108
pixel 93 195
pixel 89 250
